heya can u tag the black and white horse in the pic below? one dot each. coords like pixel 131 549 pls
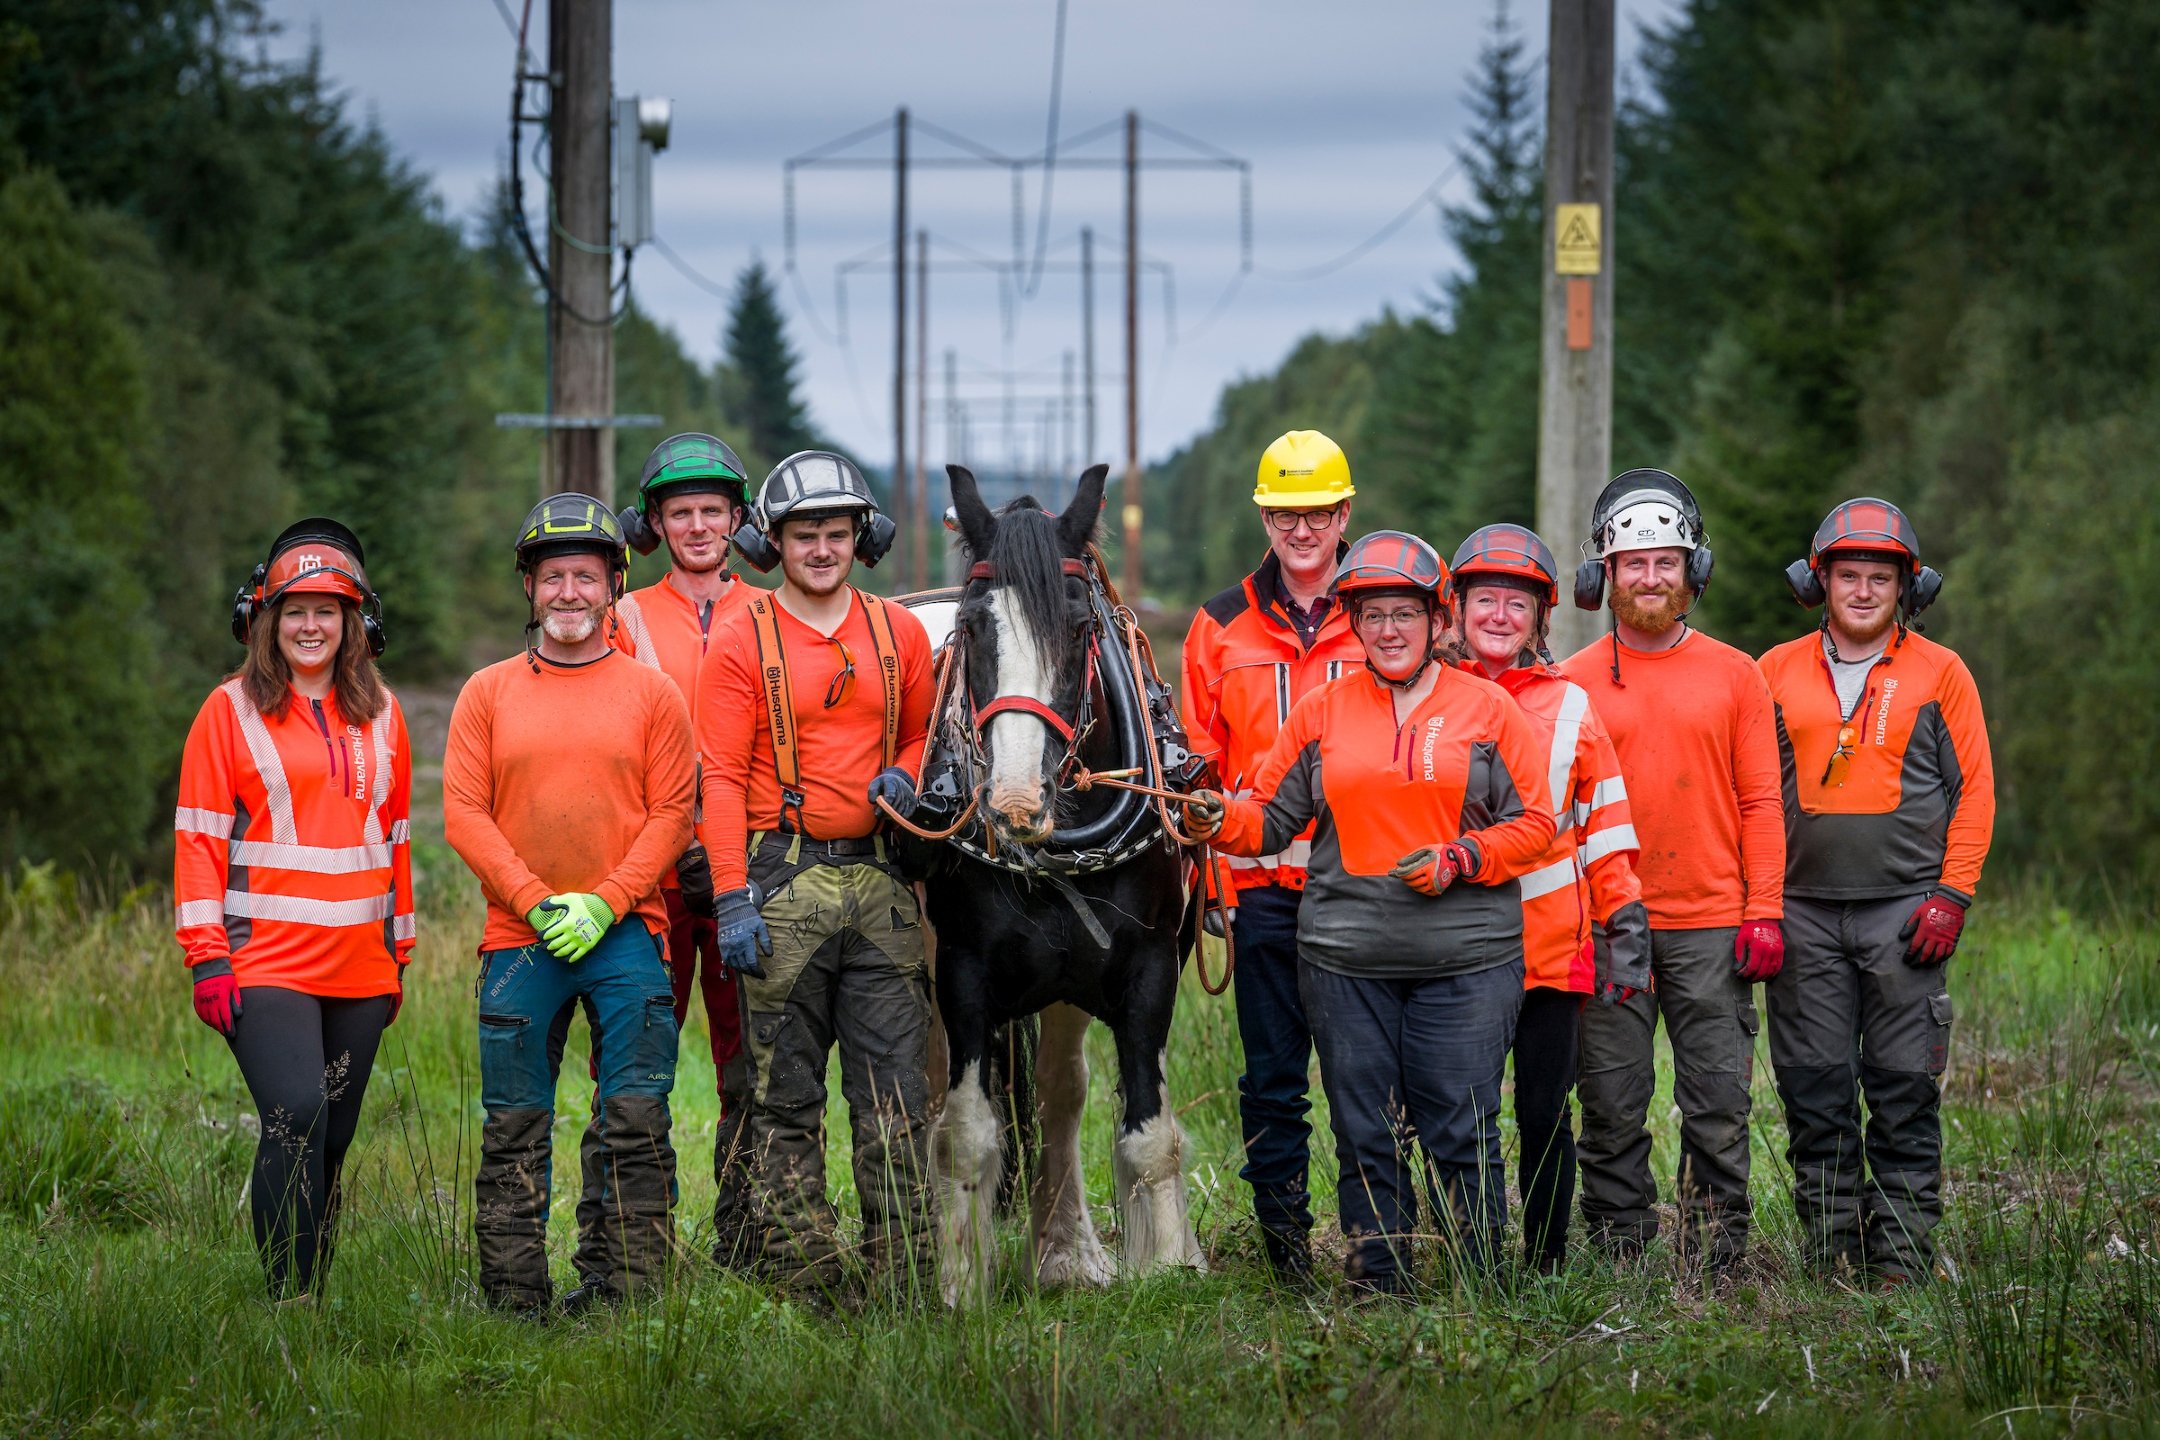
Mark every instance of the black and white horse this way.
pixel 1054 900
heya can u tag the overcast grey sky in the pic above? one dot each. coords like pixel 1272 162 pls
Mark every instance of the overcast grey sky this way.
pixel 1347 112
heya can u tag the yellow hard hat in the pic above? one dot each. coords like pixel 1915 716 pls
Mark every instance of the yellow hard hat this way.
pixel 1303 468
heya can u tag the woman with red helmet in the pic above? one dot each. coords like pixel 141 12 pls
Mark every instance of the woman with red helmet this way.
pixel 293 878
pixel 1430 800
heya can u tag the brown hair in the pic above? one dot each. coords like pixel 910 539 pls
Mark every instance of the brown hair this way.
pixel 356 683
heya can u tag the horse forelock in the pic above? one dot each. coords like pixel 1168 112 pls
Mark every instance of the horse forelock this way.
pixel 1030 565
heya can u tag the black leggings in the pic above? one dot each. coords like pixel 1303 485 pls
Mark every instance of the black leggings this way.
pixel 306 1060
pixel 1547 1034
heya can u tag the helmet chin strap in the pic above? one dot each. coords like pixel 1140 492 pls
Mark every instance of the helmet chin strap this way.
pixel 1408 680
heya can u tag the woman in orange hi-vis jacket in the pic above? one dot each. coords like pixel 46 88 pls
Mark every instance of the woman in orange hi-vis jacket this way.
pixel 1504 585
pixel 1426 789
pixel 293 878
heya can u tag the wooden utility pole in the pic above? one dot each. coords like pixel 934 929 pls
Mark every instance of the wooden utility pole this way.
pixel 1575 397
pixel 1065 422
pixel 899 329
pixel 1087 342
pixel 1132 515
pixel 919 548
pixel 580 250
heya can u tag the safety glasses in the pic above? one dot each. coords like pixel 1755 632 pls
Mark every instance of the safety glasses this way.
pixel 1285 521
pixel 1840 764
pixel 843 684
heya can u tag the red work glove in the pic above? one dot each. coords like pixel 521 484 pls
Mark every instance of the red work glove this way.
pixel 217 996
pixel 1758 950
pixel 1430 869
pixel 1933 930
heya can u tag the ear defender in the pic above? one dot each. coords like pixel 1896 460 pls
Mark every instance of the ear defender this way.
pixel 1699 564
pixel 636 530
pixel 751 543
pixel 1805 584
pixel 1590 585
pixel 874 538
pixel 1924 588
pixel 243 602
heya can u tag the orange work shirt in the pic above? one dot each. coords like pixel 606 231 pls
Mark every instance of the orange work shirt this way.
pixel 840 747
pixel 1914 806
pixel 568 779
pixel 1244 667
pixel 1464 765
pixel 1698 744
pixel 292 854
pixel 1589 871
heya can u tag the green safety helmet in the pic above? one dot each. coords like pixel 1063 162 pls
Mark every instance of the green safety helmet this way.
pixel 569 523
pixel 691 463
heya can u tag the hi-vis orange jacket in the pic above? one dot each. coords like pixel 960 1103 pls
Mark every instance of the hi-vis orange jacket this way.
pixel 1588 873
pixel 292 854
pixel 1244 669
pixel 1913 803
pixel 1465 764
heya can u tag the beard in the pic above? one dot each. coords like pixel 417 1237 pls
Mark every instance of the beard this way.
pixel 1863 637
pixel 1661 612
pixel 570 629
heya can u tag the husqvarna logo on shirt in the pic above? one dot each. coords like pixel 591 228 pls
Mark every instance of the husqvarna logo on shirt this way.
pixel 1882 710
pixel 1432 739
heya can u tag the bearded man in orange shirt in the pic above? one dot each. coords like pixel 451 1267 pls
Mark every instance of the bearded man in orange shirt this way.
pixel 1691 720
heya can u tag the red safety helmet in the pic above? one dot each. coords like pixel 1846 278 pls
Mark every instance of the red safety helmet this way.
pixel 316 556
pixel 1390 560
pixel 1503 554
pixel 313 569
pixel 1866 527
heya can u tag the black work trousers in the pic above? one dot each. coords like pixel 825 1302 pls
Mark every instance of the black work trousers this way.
pixel 1548 1034
pixel 1272 1092
pixel 306 1060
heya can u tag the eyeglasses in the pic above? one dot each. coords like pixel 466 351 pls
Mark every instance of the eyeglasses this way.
pixel 843 684
pixel 1840 764
pixel 1373 618
pixel 1283 522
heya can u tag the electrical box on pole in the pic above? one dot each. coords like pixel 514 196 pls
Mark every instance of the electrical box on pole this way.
pixel 641 132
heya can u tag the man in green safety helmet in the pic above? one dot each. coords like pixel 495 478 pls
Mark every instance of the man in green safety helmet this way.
pixel 690 499
pixel 567 788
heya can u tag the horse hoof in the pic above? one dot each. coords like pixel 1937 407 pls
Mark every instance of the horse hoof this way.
pixel 1085 1266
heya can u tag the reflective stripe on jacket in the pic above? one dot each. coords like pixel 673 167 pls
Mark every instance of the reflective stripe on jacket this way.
pixel 1588 872
pixel 1244 670
pixel 292 852
pixel 1914 805
pixel 1465 764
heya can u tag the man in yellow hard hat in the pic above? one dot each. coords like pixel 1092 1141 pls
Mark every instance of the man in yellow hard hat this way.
pixel 1252 652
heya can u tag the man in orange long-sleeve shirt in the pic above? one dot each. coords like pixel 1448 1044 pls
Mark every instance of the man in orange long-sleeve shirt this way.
pixel 691 497
pixel 1692 722
pixel 812 705
pixel 567 788
pixel 1889 808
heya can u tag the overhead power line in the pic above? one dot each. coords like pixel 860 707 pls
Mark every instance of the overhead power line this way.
pixel 1428 196
pixel 1042 217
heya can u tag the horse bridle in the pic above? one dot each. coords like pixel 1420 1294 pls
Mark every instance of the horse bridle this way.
pixel 1073 733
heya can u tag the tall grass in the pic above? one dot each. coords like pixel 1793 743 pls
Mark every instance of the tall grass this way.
pixel 130 1299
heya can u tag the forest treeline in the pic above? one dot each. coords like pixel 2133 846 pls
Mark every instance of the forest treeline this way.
pixel 226 303
pixel 1864 247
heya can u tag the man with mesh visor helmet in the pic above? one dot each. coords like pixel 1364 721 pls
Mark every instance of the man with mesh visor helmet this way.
pixel 1692 723
pixel 691 496
pixel 1505 584
pixel 1889 810
pixel 1430 794
pixel 1252 653
pixel 567 787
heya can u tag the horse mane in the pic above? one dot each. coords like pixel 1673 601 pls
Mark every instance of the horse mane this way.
pixel 1030 561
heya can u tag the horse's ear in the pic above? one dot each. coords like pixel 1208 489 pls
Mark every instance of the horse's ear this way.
pixel 977 524
pixel 1077 525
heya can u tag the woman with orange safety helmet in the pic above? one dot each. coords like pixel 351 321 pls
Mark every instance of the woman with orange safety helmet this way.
pixel 293 878
pixel 1430 799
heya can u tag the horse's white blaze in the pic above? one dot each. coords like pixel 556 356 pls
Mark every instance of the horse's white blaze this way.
pixel 1016 739
pixel 1155 1225
pixel 965 1149
pixel 1067 1251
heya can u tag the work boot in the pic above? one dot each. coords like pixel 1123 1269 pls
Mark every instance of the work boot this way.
pixel 637 1222
pixel 585 1298
pixel 510 1209
pixel 1289 1257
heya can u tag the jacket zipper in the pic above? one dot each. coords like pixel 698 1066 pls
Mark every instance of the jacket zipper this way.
pixel 322 723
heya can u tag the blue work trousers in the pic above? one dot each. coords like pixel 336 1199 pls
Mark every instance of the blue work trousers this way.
pixel 1278 1044
pixel 1415 1065
pixel 627 993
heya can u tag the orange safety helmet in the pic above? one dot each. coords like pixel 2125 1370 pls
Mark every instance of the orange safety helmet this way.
pixel 1870 527
pixel 1390 560
pixel 1505 553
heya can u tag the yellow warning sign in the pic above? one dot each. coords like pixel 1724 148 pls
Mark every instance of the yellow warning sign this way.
pixel 1575 240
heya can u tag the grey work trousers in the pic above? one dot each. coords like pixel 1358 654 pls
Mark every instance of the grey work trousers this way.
pixel 1849 1018
pixel 1710 1019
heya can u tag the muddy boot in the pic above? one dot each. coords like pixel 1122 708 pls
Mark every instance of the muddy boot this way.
pixel 511 1207
pixel 639 1199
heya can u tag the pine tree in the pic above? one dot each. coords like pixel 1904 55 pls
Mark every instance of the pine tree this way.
pixel 758 375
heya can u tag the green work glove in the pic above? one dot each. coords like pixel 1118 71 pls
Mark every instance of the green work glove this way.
pixel 578 922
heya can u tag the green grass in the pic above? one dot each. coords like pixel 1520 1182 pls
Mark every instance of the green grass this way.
pixel 130 1297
